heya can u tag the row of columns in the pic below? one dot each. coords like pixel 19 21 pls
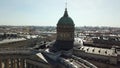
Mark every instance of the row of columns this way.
pixel 12 63
pixel 17 63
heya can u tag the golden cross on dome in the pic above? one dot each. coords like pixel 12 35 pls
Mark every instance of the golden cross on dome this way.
pixel 66 4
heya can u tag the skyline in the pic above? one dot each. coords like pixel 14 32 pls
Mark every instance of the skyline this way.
pixel 47 13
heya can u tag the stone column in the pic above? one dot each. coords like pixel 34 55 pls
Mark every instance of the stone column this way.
pixel 12 62
pixel 6 63
pixel 0 63
pixel 18 63
pixel 26 65
pixel 22 63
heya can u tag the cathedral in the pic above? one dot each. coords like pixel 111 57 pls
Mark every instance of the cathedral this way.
pixel 58 54
pixel 65 52
pixel 65 33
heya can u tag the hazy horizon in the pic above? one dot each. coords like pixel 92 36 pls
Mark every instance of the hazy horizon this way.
pixel 47 13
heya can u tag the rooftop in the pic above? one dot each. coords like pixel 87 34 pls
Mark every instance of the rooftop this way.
pixel 100 51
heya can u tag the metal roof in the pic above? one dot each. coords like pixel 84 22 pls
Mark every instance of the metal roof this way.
pixel 100 51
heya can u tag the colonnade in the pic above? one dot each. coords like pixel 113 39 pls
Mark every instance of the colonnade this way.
pixel 12 63
pixel 17 63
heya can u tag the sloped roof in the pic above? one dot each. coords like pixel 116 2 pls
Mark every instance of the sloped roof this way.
pixel 100 51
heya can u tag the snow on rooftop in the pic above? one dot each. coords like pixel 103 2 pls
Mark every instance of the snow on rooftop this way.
pixel 100 51
pixel 31 36
pixel 12 40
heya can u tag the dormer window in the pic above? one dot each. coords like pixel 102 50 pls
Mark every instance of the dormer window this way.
pixel 93 50
pixel 105 52
pixel 87 49
pixel 99 51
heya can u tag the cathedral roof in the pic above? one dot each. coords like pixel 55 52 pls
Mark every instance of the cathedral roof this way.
pixel 65 20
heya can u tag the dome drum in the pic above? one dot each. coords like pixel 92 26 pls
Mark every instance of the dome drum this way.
pixel 65 33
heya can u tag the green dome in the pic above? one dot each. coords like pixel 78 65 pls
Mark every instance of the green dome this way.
pixel 65 20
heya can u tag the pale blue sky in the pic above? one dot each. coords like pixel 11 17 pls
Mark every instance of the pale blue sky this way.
pixel 48 12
